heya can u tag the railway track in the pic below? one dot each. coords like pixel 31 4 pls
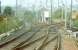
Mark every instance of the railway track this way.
pixel 45 42
pixel 20 38
pixel 39 39
pixel 14 38
pixel 59 43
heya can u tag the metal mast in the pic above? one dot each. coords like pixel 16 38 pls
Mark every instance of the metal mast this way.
pixel 65 15
pixel 46 3
pixel 41 11
pixel 62 17
pixel 33 8
pixel 0 7
pixel 51 10
pixel 16 7
pixel 71 16
pixel 58 3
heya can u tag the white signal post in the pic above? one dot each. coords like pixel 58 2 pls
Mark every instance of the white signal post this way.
pixel 46 15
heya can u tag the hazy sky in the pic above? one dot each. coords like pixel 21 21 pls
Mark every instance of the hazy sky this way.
pixel 35 2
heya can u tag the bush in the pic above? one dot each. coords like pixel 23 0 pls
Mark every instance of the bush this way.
pixel 11 23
